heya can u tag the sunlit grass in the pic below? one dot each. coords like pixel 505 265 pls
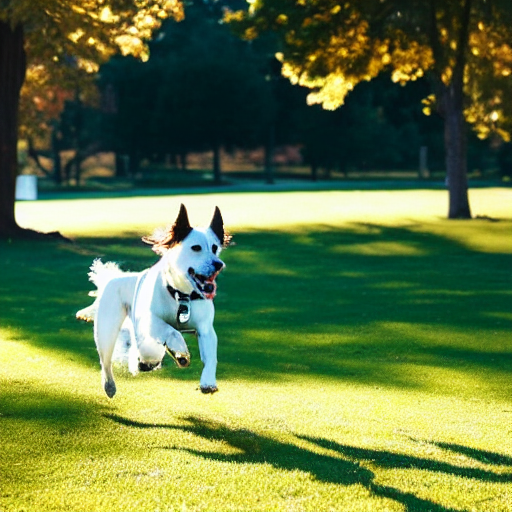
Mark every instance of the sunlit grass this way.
pixel 259 210
pixel 365 361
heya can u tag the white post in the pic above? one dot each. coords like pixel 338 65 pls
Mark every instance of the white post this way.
pixel 26 187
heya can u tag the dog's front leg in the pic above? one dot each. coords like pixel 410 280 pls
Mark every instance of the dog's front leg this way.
pixel 208 350
pixel 153 335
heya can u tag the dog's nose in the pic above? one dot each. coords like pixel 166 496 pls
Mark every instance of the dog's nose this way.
pixel 208 288
pixel 218 265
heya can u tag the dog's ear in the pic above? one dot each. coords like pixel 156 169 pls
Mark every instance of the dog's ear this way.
pixel 217 226
pixel 163 240
pixel 181 227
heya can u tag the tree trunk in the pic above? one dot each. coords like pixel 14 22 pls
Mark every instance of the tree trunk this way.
pixel 451 107
pixel 217 177
pixel 12 75
pixel 57 162
pixel 455 141
pixel 183 160
pixel 269 155
pixel 119 167
pixel 13 65
pixel 32 153
pixel 133 162
pixel 314 171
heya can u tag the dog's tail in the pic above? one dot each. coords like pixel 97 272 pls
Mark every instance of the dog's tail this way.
pixel 100 274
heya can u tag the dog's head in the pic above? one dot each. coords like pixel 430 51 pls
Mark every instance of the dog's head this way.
pixel 192 254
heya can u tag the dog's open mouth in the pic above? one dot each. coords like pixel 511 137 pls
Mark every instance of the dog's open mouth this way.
pixel 205 285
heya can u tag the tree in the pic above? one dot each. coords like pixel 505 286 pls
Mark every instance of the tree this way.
pixel 128 123
pixel 55 36
pixel 463 46
pixel 380 126
pixel 45 96
pixel 202 89
pixel 214 93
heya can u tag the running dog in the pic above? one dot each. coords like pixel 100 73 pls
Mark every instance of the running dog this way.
pixel 173 296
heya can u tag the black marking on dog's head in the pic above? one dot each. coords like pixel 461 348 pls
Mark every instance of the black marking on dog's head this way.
pixel 175 235
pixel 217 226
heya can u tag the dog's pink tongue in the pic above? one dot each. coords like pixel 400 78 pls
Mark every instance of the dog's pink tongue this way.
pixel 210 288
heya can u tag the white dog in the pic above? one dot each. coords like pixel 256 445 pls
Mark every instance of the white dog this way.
pixel 176 294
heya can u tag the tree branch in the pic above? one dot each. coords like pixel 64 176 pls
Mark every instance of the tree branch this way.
pixel 81 155
pixel 460 60
pixel 433 35
pixel 32 153
pixel 437 52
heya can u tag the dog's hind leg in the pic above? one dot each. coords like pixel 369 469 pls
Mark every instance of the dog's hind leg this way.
pixel 111 313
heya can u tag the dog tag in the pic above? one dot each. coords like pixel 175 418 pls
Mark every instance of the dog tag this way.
pixel 183 311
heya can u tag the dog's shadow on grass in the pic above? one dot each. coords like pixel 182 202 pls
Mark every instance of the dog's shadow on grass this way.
pixel 339 464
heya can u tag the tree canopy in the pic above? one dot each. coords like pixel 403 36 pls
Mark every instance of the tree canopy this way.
pixel 202 89
pixel 463 46
pixel 60 31
pixel 51 40
pixel 330 47
pixel 213 91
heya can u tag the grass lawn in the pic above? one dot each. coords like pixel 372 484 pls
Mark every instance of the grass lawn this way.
pixel 365 361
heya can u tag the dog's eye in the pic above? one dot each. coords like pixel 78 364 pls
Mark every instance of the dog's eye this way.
pixel 196 248
pixel 215 248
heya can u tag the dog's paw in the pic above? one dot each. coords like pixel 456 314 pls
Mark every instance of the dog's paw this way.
pixel 209 390
pixel 149 367
pixel 86 314
pixel 110 388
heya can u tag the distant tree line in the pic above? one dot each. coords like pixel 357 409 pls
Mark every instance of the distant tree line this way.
pixel 205 89
pixel 461 46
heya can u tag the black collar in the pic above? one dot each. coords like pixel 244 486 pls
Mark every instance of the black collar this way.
pixel 177 295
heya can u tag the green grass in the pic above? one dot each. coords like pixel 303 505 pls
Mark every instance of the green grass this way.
pixel 365 361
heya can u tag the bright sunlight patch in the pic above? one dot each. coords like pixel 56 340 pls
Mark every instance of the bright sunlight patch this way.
pixel 364 361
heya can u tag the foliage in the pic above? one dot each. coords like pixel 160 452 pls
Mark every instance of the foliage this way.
pixel 380 126
pixel 202 88
pixel 127 124
pixel 387 389
pixel 84 34
pixel 66 41
pixel 40 38
pixel 213 92
pixel 199 76
pixel 330 47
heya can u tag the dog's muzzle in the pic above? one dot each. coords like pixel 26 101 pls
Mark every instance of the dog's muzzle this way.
pixel 181 359
pixel 206 285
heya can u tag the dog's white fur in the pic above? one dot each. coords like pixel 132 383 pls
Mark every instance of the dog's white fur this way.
pixel 189 263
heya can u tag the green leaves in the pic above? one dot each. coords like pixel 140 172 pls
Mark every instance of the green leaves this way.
pixel 330 47
pixel 66 41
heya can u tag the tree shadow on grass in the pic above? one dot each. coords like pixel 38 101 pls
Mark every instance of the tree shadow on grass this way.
pixel 352 303
pixel 358 304
pixel 29 400
pixel 344 467
pixel 484 456
pixel 41 292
